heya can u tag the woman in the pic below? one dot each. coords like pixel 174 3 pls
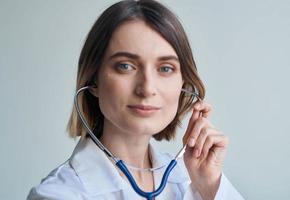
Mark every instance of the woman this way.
pixel 138 58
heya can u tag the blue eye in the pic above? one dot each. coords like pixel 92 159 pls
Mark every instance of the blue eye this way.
pixel 166 69
pixel 125 67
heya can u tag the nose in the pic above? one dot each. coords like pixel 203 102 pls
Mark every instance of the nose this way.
pixel 145 84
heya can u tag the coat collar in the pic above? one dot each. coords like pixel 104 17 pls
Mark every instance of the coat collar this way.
pixel 96 171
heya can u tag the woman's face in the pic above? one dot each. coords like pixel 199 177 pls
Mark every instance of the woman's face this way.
pixel 139 82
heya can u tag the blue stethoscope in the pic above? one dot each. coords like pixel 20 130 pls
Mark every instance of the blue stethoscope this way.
pixel 120 164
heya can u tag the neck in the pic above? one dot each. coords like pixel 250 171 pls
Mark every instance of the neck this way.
pixel 133 149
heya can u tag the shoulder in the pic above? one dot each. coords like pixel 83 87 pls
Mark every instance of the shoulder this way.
pixel 61 183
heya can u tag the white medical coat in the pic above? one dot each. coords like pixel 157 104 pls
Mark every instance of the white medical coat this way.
pixel 89 175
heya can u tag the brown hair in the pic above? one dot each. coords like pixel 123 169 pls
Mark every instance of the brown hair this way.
pixel 162 20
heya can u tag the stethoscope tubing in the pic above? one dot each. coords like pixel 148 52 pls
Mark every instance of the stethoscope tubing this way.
pixel 147 195
pixel 119 163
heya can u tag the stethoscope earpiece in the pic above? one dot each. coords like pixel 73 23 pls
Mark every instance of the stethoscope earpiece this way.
pixel 195 94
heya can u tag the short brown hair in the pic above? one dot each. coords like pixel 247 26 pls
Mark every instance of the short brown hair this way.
pixel 162 20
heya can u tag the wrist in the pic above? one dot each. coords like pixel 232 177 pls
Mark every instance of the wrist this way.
pixel 207 188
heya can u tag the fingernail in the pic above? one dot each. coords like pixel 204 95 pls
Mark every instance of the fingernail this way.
pixel 197 106
pixel 191 142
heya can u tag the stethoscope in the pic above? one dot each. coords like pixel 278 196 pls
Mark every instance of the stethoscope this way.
pixel 120 164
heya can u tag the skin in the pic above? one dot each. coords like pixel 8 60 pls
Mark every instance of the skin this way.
pixel 205 152
pixel 152 76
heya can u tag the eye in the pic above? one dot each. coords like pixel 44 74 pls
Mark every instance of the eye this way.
pixel 124 67
pixel 166 69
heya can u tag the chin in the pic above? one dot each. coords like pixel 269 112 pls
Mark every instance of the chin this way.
pixel 146 128
pixel 142 130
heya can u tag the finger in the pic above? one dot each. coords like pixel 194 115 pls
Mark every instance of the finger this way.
pixel 193 118
pixel 214 141
pixel 200 123
pixel 200 109
pixel 203 107
pixel 205 132
pixel 197 107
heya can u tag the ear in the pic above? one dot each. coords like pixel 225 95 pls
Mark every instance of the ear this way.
pixel 94 91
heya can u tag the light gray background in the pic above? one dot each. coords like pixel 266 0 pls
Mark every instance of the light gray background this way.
pixel 242 52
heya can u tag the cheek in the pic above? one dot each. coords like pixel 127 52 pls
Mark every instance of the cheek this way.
pixel 171 100
pixel 113 86
pixel 172 93
pixel 112 92
pixel 172 104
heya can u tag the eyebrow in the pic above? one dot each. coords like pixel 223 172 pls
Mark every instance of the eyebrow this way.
pixel 137 57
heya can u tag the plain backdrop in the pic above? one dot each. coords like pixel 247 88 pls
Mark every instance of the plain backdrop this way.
pixel 242 54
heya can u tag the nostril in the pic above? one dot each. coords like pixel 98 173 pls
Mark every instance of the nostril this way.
pixel 145 91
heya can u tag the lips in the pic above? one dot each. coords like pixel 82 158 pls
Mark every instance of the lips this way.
pixel 144 107
pixel 144 110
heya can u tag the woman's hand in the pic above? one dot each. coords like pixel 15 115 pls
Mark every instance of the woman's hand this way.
pixel 205 151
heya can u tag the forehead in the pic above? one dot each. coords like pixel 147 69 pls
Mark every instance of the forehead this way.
pixel 139 38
